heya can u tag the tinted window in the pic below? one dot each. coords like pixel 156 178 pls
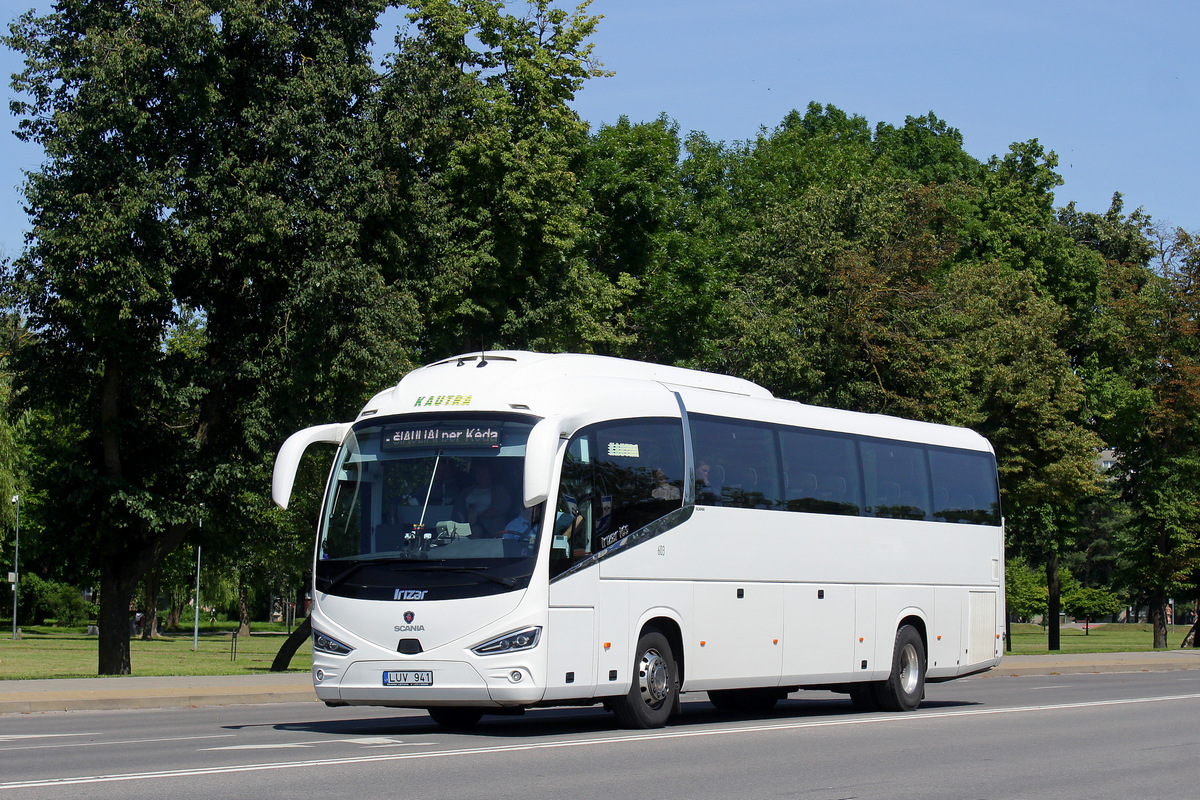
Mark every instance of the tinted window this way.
pixel 821 472
pixel 964 486
pixel 896 479
pixel 739 460
pixel 617 478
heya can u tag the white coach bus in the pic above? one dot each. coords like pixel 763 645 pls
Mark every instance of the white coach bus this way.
pixel 508 530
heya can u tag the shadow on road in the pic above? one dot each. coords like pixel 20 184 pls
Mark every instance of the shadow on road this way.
pixel 552 722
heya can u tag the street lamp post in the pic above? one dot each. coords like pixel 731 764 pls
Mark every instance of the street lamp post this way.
pixel 16 575
pixel 196 604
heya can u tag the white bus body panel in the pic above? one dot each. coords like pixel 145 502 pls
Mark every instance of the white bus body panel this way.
pixel 809 614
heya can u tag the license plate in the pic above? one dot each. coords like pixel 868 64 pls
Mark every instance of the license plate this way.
pixel 420 677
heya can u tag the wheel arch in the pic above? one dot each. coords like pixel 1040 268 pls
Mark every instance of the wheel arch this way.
pixel 666 624
pixel 914 618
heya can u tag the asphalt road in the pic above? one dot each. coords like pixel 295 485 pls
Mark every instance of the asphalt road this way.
pixel 1131 735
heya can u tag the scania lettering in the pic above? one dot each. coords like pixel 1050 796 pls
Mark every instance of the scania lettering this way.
pixel 589 530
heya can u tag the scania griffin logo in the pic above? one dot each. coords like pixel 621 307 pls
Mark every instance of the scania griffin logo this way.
pixel 409 617
pixel 409 594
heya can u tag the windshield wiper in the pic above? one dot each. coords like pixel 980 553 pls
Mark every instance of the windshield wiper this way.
pixel 356 566
pixel 479 572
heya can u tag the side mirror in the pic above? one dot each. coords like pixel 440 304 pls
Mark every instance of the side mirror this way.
pixel 541 448
pixel 288 460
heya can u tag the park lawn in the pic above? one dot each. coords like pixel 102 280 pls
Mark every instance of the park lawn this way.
pixel 68 653
pixel 1103 638
pixel 59 653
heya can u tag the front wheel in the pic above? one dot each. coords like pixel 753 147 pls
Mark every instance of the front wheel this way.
pixel 905 687
pixel 655 689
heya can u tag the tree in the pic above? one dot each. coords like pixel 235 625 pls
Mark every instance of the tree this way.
pixel 1143 370
pixel 199 175
pixel 474 115
pixel 1024 590
pixel 1090 603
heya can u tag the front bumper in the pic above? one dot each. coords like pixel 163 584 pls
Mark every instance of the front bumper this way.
pixel 455 683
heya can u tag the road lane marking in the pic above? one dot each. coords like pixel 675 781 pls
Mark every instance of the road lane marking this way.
pixel 662 734
pixel 363 741
pixel 102 742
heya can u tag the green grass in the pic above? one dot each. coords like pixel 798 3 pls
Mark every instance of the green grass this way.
pixel 70 653
pixel 1107 638
pixel 47 652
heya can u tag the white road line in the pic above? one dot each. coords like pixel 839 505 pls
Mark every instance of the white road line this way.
pixel 662 734
pixel 364 741
pixel 102 742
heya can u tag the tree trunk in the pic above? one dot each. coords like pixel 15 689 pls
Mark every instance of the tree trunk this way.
pixel 113 618
pixel 176 611
pixel 243 609
pixel 1158 619
pixel 290 645
pixel 1190 639
pixel 120 571
pixel 1053 589
pixel 150 604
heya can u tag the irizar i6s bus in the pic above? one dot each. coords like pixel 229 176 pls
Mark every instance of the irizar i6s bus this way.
pixel 508 530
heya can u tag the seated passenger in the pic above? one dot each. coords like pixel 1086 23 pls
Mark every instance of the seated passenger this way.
pixel 663 489
pixel 486 504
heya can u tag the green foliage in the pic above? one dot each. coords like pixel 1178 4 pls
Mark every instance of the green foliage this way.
pixel 196 261
pixel 476 109
pixel 43 600
pixel 1087 603
pixel 1024 590
pixel 244 227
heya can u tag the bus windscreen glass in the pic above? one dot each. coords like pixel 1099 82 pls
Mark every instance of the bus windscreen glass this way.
pixel 431 505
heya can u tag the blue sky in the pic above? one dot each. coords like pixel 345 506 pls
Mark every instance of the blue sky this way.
pixel 1112 87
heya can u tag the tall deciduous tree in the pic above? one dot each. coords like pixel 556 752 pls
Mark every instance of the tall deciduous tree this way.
pixel 475 122
pixel 1145 371
pixel 198 161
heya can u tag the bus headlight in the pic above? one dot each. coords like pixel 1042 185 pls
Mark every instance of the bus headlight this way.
pixel 327 644
pixel 510 642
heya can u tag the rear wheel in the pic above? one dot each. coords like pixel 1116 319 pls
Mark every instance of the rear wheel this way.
pixel 655 689
pixel 456 718
pixel 905 687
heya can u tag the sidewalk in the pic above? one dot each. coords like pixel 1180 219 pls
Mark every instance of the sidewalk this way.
pixel 19 697
pixel 23 697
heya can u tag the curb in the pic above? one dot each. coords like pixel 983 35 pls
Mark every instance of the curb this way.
pixel 110 694
pixel 1096 663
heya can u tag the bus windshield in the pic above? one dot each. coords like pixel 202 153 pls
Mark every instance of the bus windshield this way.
pixel 429 504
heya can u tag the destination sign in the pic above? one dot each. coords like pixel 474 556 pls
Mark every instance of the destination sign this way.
pixel 440 435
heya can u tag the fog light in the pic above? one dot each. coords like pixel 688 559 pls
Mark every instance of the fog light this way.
pixel 515 676
pixel 320 675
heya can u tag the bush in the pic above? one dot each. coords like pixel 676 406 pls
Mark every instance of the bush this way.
pixel 43 600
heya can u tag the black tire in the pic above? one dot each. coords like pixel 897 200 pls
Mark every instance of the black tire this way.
pixel 744 701
pixel 864 696
pixel 652 697
pixel 905 687
pixel 456 718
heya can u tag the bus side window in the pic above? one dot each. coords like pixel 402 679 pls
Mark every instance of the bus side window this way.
pixel 897 479
pixel 743 470
pixel 964 487
pixel 822 475
pixel 617 478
